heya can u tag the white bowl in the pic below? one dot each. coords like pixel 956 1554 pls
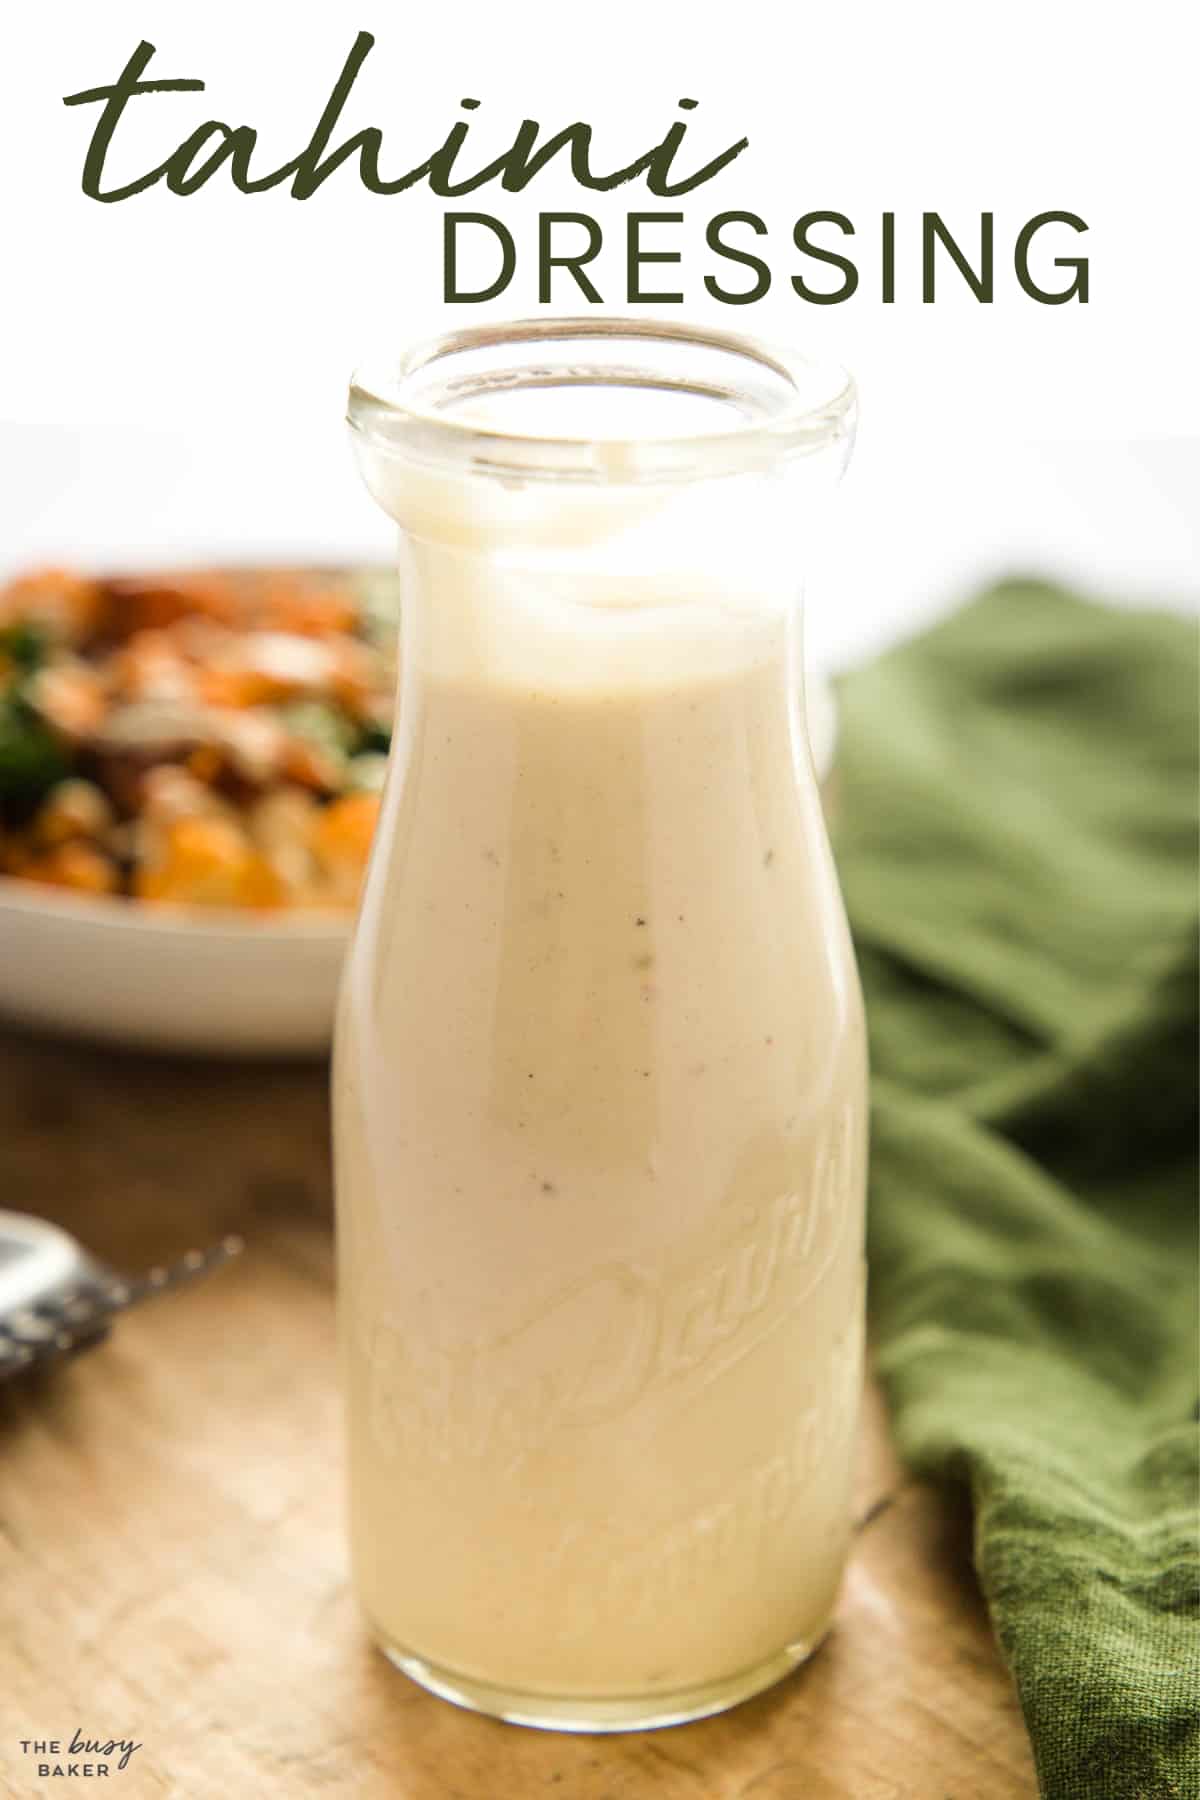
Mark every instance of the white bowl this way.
pixel 161 978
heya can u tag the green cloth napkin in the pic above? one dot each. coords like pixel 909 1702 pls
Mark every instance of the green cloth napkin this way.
pixel 1016 833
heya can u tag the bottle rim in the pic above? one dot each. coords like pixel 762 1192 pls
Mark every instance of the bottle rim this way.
pixel 769 403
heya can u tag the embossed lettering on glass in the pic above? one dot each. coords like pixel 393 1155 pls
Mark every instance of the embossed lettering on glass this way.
pixel 600 1076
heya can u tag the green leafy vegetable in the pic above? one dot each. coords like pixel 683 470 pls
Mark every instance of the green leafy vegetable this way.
pixel 374 740
pixel 25 645
pixel 31 757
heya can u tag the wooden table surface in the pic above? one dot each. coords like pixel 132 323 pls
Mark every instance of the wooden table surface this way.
pixel 172 1562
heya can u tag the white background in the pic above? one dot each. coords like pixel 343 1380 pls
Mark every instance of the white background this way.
pixel 173 371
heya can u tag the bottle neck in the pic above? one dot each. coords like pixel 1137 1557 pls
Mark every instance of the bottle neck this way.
pixel 557 627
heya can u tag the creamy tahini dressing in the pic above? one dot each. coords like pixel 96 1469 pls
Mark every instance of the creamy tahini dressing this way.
pixel 600 1126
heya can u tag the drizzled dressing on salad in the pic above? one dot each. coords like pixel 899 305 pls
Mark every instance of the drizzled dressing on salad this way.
pixel 207 738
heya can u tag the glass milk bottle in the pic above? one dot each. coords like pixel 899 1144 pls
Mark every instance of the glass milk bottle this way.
pixel 600 1077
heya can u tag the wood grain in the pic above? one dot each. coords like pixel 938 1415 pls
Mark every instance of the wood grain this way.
pixel 172 1563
